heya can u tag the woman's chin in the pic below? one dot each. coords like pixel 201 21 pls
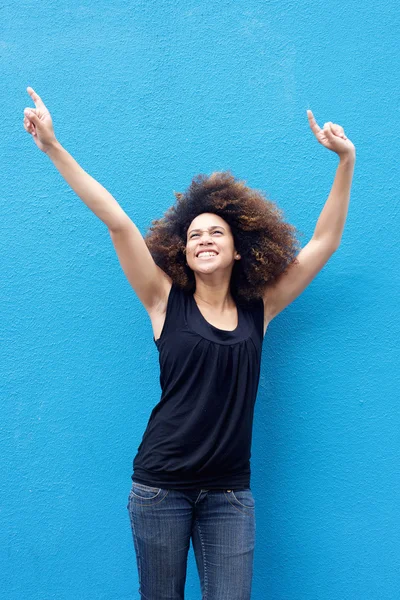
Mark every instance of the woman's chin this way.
pixel 204 269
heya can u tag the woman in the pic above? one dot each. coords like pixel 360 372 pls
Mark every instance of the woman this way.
pixel 212 274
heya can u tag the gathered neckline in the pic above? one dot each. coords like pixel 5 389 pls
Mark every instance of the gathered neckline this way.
pixel 213 326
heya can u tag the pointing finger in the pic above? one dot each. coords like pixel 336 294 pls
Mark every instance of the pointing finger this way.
pixel 36 98
pixel 313 123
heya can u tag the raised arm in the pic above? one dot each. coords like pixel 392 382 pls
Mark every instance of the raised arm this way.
pixel 150 282
pixel 329 228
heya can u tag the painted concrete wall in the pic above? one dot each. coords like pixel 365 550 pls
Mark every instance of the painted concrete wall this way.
pixel 145 94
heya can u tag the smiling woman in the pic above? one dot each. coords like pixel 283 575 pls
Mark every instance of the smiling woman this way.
pixel 211 274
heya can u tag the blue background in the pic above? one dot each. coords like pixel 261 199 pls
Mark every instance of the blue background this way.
pixel 145 94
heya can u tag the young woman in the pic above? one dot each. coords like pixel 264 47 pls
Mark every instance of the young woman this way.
pixel 212 274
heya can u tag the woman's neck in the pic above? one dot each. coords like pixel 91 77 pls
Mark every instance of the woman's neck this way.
pixel 218 297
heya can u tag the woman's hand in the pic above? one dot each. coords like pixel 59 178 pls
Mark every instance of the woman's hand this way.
pixel 37 122
pixel 332 136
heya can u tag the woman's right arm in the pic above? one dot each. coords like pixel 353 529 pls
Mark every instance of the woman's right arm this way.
pixel 150 283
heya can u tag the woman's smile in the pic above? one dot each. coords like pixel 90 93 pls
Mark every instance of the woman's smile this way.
pixel 206 255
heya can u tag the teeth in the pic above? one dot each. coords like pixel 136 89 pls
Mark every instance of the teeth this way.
pixel 207 254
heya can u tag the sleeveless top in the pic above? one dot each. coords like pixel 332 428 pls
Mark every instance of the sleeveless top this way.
pixel 199 434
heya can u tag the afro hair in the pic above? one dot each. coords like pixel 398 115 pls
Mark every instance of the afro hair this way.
pixel 266 243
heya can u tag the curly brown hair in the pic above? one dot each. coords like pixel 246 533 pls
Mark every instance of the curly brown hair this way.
pixel 265 242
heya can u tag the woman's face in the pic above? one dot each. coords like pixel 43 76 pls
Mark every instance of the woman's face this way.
pixel 210 233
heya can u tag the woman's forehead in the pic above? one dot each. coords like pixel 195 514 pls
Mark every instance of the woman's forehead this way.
pixel 207 220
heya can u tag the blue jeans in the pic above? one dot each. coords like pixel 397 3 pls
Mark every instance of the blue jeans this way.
pixel 221 525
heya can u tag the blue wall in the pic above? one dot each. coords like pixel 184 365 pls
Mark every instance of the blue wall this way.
pixel 145 94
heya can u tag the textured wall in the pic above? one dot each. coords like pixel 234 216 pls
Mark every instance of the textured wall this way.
pixel 145 94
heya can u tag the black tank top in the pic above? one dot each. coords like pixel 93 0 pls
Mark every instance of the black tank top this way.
pixel 199 434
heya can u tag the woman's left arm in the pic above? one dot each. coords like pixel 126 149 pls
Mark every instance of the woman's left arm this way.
pixel 331 221
pixel 329 229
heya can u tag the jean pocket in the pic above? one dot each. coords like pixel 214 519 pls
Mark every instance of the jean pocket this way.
pixel 242 498
pixel 146 494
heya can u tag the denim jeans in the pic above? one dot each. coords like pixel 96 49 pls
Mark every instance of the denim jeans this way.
pixel 221 525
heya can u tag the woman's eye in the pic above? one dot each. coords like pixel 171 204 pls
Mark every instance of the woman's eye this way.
pixel 194 234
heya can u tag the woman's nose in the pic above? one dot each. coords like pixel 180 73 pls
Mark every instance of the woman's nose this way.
pixel 205 237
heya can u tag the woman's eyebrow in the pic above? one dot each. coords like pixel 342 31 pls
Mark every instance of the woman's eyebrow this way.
pixel 212 227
